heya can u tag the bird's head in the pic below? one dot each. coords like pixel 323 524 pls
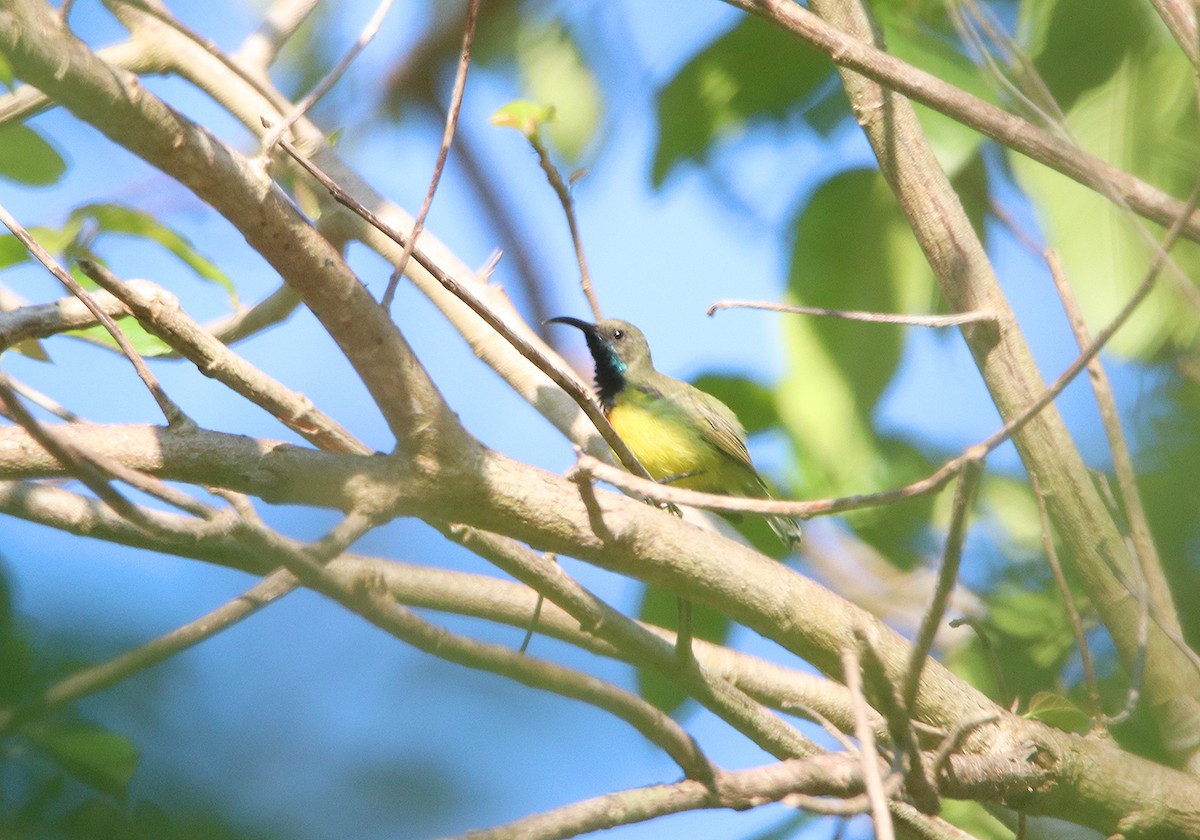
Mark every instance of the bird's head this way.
pixel 618 348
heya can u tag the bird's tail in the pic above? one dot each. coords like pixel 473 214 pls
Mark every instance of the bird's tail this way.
pixel 787 529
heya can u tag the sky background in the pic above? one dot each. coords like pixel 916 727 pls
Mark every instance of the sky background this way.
pixel 305 719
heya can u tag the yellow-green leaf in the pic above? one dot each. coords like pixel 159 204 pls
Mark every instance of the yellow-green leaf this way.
pixel 525 116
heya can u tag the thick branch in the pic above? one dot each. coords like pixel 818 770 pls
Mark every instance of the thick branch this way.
pixel 843 43
pixel 1096 782
pixel 969 284
pixel 45 54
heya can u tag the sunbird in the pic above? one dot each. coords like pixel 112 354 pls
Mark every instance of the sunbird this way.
pixel 682 435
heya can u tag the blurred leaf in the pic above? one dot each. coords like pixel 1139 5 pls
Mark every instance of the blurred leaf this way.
pixel 28 158
pixel 144 342
pixel 660 606
pixel 102 819
pixel 94 755
pixel 117 218
pixel 13 252
pixel 1012 505
pixel 892 529
pixel 525 116
pixel 853 251
pixel 755 71
pixel 16 658
pixel 553 71
pixel 1141 119
pixel 6 73
pixel 973 818
pixel 910 38
pixel 1057 711
pixel 1035 619
pixel 754 404
pixel 1074 49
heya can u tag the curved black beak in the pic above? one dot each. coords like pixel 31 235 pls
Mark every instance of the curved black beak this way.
pixel 587 328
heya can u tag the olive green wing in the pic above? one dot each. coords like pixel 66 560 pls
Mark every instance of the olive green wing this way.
pixel 721 428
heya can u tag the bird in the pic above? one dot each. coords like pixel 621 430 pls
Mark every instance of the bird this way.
pixel 682 436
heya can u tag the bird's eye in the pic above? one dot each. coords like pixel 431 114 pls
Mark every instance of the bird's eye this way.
pixel 618 334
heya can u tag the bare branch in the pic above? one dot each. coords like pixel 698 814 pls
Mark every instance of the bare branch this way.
pixel 637 644
pixel 159 311
pixel 170 410
pixel 456 97
pixel 106 674
pixel 331 78
pixel 867 755
pixel 281 21
pixel 859 55
pixel 580 394
pixel 850 315
pixel 964 497
pixel 378 608
pixel 1064 589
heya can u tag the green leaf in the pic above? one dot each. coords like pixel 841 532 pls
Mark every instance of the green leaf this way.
pixel 660 607
pixel 754 404
pixel 145 343
pixel 974 818
pixel 525 116
pixel 1142 119
pixel 1074 49
pixel 1036 619
pixel 755 71
pixel 1058 711
pixel 13 251
pixel 553 71
pixel 94 755
pixel 27 158
pixel 6 73
pixel 118 218
pixel 853 251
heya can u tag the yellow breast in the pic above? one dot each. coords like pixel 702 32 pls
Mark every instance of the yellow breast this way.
pixel 669 444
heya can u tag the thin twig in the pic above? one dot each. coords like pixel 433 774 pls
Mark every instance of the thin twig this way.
pixel 583 398
pixel 1018 134
pixel 173 413
pixel 456 98
pixel 964 497
pixel 44 402
pixel 563 190
pixel 533 623
pixel 1041 102
pixel 851 315
pixel 1131 498
pixel 106 674
pixel 989 653
pixel 162 316
pixel 502 215
pixel 837 774
pixel 1064 589
pixel 331 78
pixel 381 610
pixel 73 460
pixel 872 779
pixel 1141 591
